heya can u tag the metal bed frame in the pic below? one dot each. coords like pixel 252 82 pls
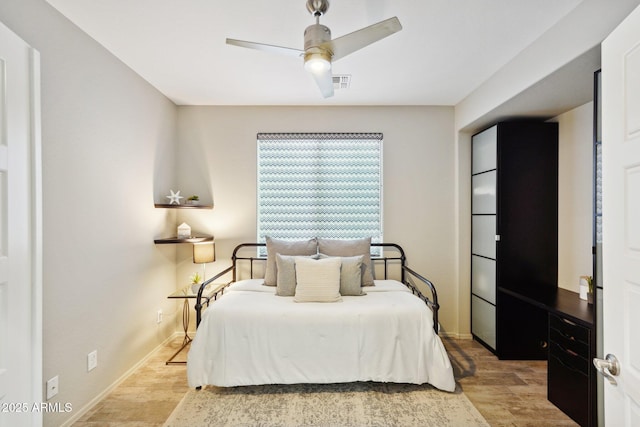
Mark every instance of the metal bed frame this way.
pixel 406 274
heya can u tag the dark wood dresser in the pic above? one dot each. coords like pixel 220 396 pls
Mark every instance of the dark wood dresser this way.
pixel 571 377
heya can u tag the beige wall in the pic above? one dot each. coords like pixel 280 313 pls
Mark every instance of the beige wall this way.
pixel 107 140
pixel 218 151
pixel 575 196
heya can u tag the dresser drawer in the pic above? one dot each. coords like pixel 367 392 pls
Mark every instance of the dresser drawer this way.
pixel 571 377
pixel 569 390
pixel 569 358
pixel 569 343
pixel 569 329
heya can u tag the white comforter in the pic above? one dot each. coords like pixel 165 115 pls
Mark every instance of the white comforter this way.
pixel 251 336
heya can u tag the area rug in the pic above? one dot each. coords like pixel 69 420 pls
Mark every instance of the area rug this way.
pixel 352 404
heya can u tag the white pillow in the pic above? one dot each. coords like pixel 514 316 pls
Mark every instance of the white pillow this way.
pixel 317 280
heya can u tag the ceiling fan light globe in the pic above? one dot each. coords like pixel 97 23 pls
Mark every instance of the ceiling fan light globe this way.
pixel 317 62
pixel 317 65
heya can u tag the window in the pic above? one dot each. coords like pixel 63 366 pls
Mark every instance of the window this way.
pixel 320 185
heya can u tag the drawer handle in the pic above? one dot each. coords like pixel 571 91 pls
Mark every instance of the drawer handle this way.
pixel 571 352
pixel 567 336
pixel 567 351
pixel 569 322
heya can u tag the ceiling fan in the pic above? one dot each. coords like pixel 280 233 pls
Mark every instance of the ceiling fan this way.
pixel 320 50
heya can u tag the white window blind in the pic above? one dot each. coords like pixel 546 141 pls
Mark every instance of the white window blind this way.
pixel 320 185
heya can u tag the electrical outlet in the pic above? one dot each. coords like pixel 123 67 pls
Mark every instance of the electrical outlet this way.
pixel 159 317
pixel 52 387
pixel 92 360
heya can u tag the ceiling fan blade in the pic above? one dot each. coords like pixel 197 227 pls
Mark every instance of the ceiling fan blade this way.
pixel 267 47
pixel 349 43
pixel 324 80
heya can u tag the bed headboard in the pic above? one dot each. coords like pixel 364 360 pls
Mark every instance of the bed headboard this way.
pixel 392 261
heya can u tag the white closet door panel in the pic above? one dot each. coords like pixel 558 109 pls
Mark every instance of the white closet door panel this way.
pixel 483 189
pixel 483 235
pixel 483 278
pixel 484 147
pixel 483 319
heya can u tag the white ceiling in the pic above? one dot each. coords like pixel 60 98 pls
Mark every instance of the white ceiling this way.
pixel 446 48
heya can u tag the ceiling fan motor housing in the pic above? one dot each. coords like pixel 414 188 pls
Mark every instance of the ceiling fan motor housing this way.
pixel 315 35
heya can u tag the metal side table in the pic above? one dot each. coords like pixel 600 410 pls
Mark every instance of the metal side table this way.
pixel 210 292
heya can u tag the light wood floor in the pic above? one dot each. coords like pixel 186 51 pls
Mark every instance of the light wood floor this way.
pixel 507 393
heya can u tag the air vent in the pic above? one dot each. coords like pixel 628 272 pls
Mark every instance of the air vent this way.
pixel 341 81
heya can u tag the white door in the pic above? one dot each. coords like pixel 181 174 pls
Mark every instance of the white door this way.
pixel 621 218
pixel 20 234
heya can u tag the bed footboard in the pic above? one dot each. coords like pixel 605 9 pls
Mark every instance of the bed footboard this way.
pixel 431 303
pixel 408 277
pixel 199 299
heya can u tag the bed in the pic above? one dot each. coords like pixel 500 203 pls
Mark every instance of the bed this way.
pixel 252 334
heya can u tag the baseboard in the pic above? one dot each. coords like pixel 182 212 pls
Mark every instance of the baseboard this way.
pixel 455 335
pixel 78 414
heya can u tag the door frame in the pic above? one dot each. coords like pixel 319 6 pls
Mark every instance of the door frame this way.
pixel 36 260
pixel 32 371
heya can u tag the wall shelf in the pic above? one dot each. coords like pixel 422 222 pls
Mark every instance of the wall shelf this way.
pixel 191 239
pixel 166 205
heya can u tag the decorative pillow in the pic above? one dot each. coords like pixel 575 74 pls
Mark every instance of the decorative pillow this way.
pixel 286 278
pixel 350 275
pixel 285 247
pixel 347 248
pixel 317 280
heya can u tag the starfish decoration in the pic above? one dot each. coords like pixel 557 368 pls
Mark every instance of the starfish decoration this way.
pixel 175 198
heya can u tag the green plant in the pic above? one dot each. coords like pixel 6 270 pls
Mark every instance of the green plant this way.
pixel 590 283
pixel 195 278
pixel 194 198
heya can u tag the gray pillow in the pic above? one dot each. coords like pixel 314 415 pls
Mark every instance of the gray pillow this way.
pixel 348 248
pixel 286 278
pixel 350 275
pixel 285 247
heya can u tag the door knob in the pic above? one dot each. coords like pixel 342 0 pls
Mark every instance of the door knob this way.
pixel 608 367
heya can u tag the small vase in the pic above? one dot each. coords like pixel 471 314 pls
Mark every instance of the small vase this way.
pixel 195 287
